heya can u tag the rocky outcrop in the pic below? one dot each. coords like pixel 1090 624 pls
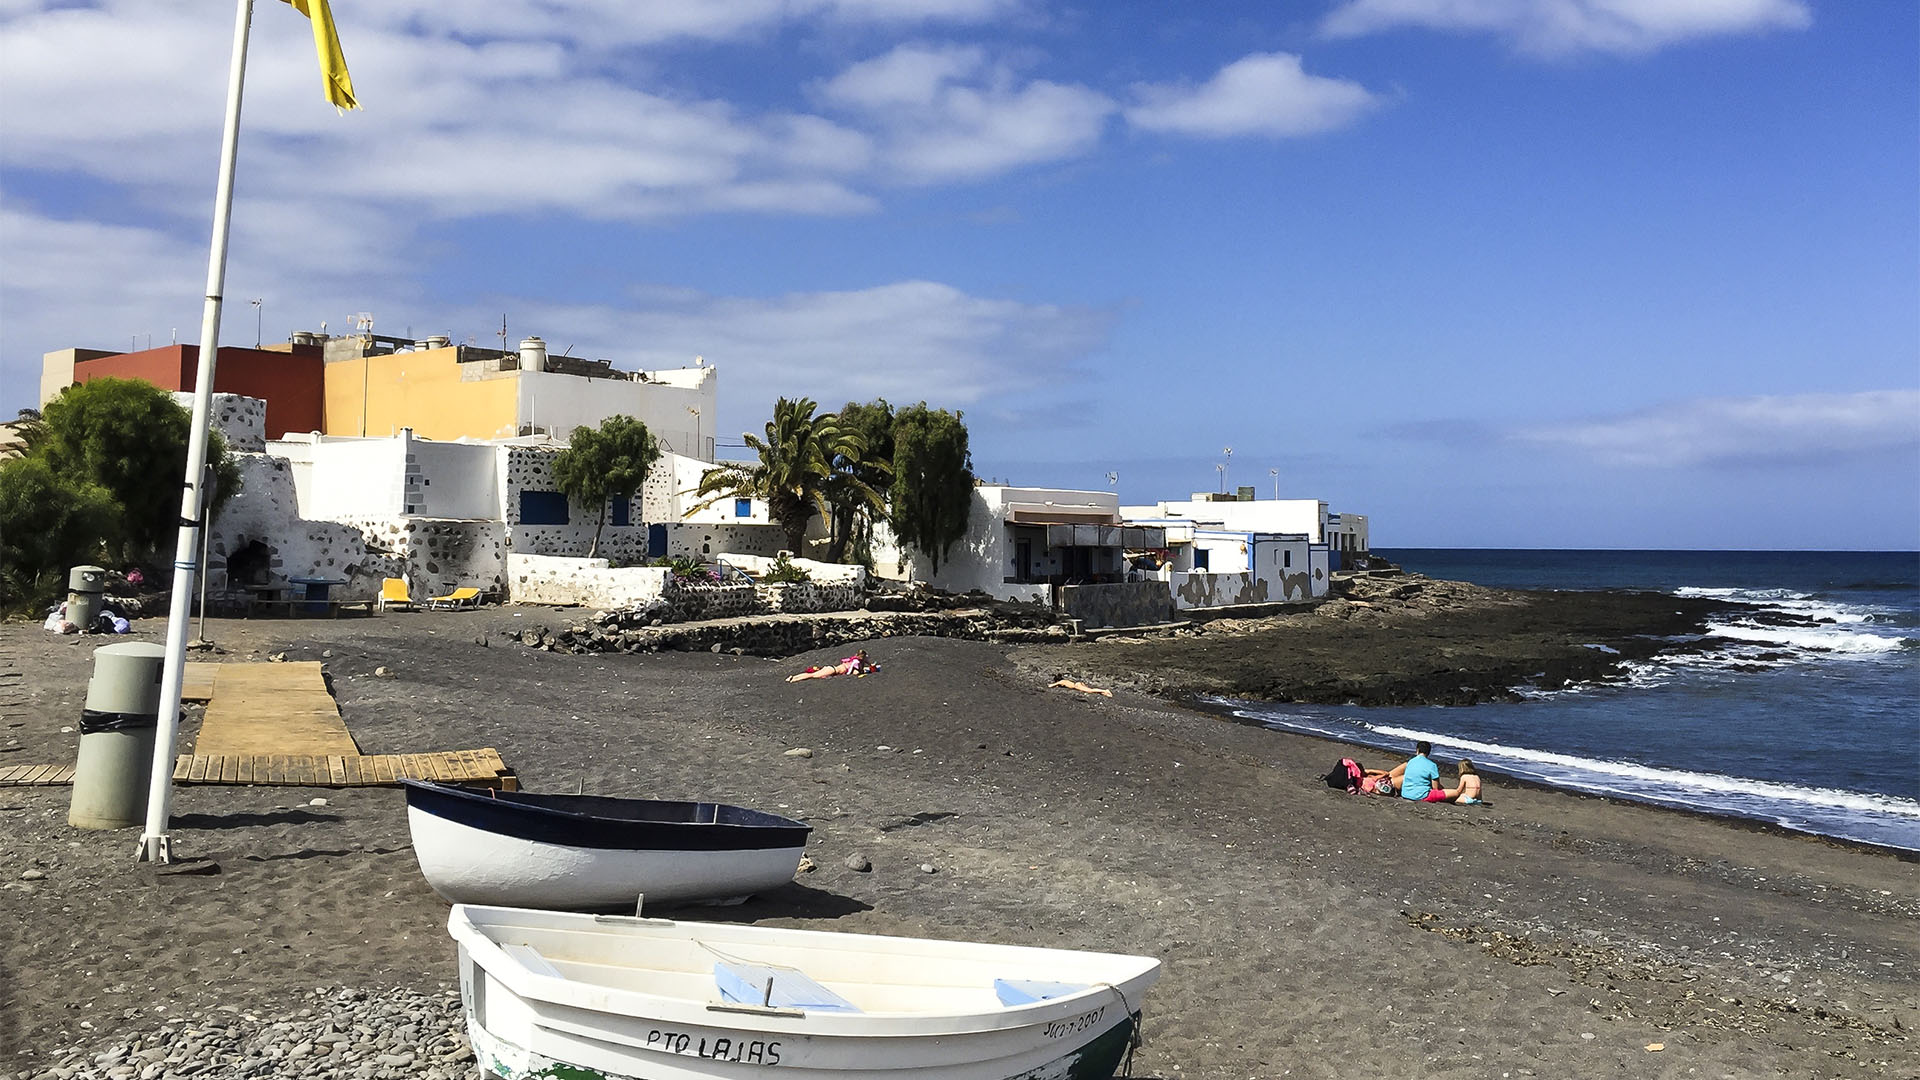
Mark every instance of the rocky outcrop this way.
pixel 784 635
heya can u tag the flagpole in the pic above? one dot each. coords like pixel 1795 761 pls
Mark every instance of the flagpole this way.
pixel 154 841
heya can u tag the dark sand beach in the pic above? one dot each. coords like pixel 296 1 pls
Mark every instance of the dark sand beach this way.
pixel 1304 932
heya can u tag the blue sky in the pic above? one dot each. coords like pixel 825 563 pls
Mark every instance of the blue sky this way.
pixel 1560 273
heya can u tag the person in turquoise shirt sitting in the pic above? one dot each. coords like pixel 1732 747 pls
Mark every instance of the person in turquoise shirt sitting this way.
pixel 1419 779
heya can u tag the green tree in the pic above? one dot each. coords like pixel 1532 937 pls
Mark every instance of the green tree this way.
pixel 856 490
pixel 31 429
pixel 602 462
pixel 52 522
pixel 794 470
pixel 130 437
pixel 932 492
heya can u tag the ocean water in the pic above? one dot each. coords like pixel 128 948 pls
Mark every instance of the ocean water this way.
pixel 1813 725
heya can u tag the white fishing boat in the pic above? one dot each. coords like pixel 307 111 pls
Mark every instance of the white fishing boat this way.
pixel 594 852
pixel 613 997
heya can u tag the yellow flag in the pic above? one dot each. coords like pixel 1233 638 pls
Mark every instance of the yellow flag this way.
pixel 333 62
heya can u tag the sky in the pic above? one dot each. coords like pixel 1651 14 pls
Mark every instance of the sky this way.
pixel 1496 273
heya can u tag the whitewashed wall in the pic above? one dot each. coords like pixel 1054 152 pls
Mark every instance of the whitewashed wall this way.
pixel 1307 516
pixel 546 579
pixel 452 479
pixel 822 573
pixel 266 509
pixel 557 402
pixel 698 540
pixel 524 468
pixel 437 556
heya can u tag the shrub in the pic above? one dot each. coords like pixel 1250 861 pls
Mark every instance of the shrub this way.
pixel 783 572
pixel 52 522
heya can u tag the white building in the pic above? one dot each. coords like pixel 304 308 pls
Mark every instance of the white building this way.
pixel 1339 533
pixel 1020 542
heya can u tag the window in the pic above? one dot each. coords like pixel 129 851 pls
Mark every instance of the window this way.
pixel 1286 558
pixel 743 508
pixel 621 512
pixel 543 508
pixel 1200 556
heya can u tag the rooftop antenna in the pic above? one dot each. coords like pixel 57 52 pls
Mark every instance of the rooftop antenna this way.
pixel 1275 473
pixel 258 315
pixel 1113 479
pixel 1223 469
pixel 503 331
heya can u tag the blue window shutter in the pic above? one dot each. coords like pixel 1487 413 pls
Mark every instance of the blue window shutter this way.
pixel 742 508
pixel 618 503
pixel 543 508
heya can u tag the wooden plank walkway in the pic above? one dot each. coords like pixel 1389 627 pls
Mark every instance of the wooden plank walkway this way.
pixel 35 775
pixel 483 766
pixel 272 709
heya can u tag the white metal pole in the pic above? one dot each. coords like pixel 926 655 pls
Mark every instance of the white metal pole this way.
pixel 154 844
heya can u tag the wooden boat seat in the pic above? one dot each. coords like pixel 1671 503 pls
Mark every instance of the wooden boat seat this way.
pixel 1028 991
pixel 746 984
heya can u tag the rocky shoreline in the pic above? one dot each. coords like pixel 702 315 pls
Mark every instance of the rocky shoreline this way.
pixel 1411 640
pixel 1392 639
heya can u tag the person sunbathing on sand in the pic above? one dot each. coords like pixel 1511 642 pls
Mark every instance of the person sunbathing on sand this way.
pixel 1073 684
pixel 856 664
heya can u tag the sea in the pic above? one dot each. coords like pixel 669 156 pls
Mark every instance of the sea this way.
pixel 1814 727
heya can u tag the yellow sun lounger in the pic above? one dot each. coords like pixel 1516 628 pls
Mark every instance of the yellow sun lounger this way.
pixel 458 598
pixel 393 593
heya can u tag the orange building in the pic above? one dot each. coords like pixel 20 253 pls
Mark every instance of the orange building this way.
pixel 289 378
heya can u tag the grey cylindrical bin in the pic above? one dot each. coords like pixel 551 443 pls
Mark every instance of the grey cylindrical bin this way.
pixel 116 737
pixel 85 584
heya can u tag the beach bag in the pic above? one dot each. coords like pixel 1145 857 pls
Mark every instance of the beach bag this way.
pixel 1346 776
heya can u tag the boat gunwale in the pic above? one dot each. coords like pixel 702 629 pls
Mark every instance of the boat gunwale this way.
pixel 600 999
pixel 539 824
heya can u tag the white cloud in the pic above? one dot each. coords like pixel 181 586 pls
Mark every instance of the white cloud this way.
pixel 898 341
pixel 1261 94
pixel 951 114
pixel 1557 27
pixel 1718 431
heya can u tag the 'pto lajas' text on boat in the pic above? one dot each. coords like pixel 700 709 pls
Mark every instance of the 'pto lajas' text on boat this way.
pixel 554 994
pixel 593 852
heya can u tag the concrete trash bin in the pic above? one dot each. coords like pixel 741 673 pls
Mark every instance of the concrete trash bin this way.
pixel 117 731
pixel 86 585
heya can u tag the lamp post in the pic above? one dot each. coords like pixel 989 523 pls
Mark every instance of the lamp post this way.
pixel 1223 468
pixel 1275 473
pixel 258 318
pixel 699 448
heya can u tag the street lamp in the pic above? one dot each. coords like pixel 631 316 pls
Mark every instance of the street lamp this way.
pixel 1223 469
pixel 257 315
pixel 699 449
pixel 1275 473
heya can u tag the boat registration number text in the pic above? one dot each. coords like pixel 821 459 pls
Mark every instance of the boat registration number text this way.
pixel 1060 1029
pixel 718 1047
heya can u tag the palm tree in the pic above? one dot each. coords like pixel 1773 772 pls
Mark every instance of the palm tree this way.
pixel 795 472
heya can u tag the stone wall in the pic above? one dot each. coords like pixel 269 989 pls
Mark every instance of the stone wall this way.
pixel 439 555
pixel 530 468
pixel 1129 603
pixel 1203 590
pixel 801 597
pixel 777 635
pixel 547 579
pixel 265 509
pixel 241 420
pixel 689 601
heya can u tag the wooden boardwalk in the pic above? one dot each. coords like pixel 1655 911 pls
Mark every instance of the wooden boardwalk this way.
pixel 483 766
pixel 260 709
pixel 276 724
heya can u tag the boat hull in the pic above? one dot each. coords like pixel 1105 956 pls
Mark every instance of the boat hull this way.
pixel 610 998
pixel 473 849
pixel 732 1055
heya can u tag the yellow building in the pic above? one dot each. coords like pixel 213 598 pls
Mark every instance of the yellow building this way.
pixel 376 386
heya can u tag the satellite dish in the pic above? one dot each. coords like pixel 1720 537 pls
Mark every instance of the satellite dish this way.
pixel 1113 478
